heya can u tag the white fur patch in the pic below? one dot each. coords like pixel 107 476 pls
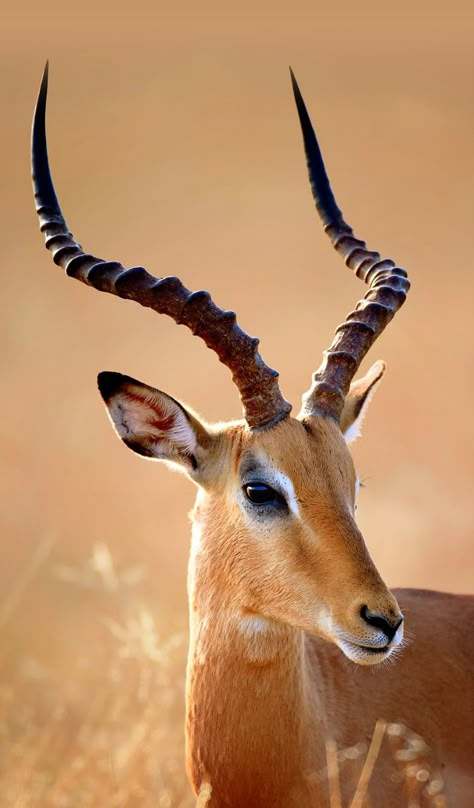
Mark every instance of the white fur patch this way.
pixel 254 625
pixel 286 486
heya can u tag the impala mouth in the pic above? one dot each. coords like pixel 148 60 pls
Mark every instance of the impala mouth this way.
pixel 364 654
pixel 367 654
pixel 371 650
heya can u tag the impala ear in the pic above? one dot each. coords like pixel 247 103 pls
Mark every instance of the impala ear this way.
pixel 357 401
pixel 152 423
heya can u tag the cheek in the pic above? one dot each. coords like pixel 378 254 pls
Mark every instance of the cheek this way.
pixel 265 557
pixel 302 555
pixel 262 525
pixel 297 561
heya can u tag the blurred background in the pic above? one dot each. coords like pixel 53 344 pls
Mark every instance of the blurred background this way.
pixel 174 143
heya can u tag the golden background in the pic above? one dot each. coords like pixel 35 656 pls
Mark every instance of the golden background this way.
pixel 175 144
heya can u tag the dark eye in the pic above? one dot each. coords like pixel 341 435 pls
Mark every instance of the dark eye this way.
pixel 262 494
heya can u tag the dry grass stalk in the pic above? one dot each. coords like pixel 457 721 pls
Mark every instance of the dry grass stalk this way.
pixel 204 795
pixel 368 767
pixel 335 800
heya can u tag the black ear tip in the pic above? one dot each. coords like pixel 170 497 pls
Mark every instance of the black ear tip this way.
pixel 109 383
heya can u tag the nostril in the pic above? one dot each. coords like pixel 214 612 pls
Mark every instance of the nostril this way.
pixel 378 621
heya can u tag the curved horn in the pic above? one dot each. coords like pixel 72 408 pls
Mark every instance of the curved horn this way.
pixel 388 287
pixel 262 400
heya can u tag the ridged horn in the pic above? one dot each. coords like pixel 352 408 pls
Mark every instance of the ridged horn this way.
pixel 388 287
pixel 262 401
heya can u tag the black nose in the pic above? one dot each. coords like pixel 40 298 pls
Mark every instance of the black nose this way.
pixel 377 621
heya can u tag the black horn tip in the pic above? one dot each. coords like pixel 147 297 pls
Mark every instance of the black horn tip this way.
pixel 301 107
pixel 44 80
pixel 40 110
pixel 294 83
pixel 300 104
pixel 323 196
pixel 42 181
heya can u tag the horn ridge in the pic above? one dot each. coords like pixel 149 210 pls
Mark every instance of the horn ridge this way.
pixel 263 403
pixel 388 287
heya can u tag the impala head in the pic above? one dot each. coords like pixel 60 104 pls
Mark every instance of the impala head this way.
pixel 275 517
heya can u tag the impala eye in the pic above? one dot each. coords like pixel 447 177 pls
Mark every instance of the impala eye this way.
pixel 262 494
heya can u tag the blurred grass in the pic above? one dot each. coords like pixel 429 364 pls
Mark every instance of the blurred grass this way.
pixel 110 731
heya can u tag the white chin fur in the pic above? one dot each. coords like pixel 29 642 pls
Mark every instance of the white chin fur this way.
pixel 362 656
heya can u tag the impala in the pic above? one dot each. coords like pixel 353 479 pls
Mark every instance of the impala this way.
pixel 288 615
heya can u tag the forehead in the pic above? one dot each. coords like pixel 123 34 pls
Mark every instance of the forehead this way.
pixel 309 453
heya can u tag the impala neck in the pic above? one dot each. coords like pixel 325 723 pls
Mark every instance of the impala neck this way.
pixel 249 710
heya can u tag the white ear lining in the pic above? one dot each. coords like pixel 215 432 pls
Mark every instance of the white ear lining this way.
pixel 359 397
pixel 354 430
pixel 152 418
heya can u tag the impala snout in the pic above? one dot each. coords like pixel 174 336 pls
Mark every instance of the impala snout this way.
pixel 374 633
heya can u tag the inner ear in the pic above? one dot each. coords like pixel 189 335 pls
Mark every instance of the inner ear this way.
pixel 357 401
pixel 150 422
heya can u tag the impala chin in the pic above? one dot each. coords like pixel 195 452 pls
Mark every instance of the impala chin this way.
pixel 366 652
